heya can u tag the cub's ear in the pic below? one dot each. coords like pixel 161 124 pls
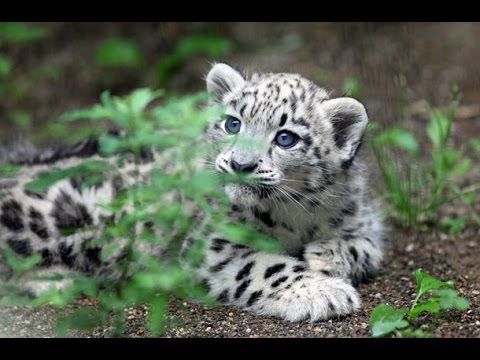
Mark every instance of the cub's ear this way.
pixel 349 121
pixel 222 79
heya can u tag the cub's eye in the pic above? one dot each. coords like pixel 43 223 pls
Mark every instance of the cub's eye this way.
pixel 232 125
pixel 286 139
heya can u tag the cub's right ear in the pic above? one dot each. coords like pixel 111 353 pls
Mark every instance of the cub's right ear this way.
pixel 221 80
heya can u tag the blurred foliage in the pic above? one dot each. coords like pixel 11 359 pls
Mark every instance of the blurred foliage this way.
pixel 173 129
pixel 15 32
pixel 118 52
pixel 352 88
pixel 212 46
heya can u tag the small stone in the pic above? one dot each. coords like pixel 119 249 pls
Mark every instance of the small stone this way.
pixel 208 328
pixel 410 247
pixel 248 331
pixel 377 295
pixel 317 329
pixel 363 325
pixel 410 263
pixel 477 323
pixel 131 317
pixel 230 314
pixel 404 278
pixel 475 292
pixel 472 244
pixel 184 304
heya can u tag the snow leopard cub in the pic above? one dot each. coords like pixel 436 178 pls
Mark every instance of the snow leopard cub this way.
pixel 310 196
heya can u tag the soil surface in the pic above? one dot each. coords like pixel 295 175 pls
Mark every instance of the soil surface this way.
pixel 400 67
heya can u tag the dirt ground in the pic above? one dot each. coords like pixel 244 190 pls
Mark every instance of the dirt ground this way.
pixel 400 67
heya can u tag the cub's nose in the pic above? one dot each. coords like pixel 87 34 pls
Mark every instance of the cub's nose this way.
pixel 243 168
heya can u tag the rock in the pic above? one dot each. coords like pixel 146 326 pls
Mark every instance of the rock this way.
pixel 475 292
pixel 410 247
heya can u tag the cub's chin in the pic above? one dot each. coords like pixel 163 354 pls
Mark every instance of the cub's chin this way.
pixel 240 194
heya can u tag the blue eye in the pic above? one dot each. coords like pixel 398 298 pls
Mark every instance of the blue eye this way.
pixel 286 139
pixel 232 125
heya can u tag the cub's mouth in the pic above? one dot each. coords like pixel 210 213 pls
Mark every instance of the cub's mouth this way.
pixel 247 193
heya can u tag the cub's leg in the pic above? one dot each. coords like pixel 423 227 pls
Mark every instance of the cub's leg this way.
pixel 41 280
pixel 274 284
pixel 349 258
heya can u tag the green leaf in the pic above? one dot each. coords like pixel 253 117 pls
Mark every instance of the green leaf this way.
pixel 417 333
pixel 426 283
pixel 438 129
pixel 94 113
pixel 118 52
pixel 401 138
pixel 448 298
pixel 475 143
pixel 385 319
pixel 19 32
pixel 454 225
pixel 430 305
pixel 5 66
pixel 351 87
pixel 21 118
pixel 156 319
pixel 8 169
pixel 20 264
pixel 462 167
pixel 46 179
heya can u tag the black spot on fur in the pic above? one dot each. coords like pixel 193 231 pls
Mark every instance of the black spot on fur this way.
pixel 245 271
pixel 286 227
pixel 241 288
pixel 242 110
pixel 350 209
pixel 20 246
pixel 335 222
pixel 206 285
pixel 66 255
pixel 93 255
pixel 223 297
pixel 221 265
pixel 279 281
pixel 326 272
pixel 283 120
pixel 354 253
pixel 69 214
pixel 37 224
pixel 11 216
pixel 239 246
pixel 218 244
pixel 247 254
pixel 331 306
pixel 47 257
pixel 273 270
pixel 298 278
pixel 254 297
pixel 35 194
pixel 298 268
pixel 263 217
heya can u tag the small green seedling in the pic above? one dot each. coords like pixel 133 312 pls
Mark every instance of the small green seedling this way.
pixel 432 296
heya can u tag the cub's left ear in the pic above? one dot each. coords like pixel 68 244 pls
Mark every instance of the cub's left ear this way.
pixel 222 79
pixel 349 121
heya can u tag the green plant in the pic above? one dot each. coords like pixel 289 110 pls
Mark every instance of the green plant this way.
pixel 189 46
pixel 415 189
pixel 14 32
pixel 432 296
pixel 118 52
pixel 172 128
pixel 352 88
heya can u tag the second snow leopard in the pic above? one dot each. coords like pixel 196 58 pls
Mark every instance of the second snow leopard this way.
pixel 310 195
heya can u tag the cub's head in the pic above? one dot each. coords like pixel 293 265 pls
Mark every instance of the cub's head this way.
pixel 283 131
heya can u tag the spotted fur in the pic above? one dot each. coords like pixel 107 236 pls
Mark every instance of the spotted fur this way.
pixel 311 197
